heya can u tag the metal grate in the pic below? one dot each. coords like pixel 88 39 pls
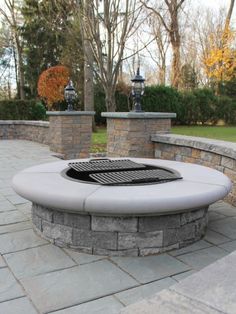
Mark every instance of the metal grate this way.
pixel 105 165
pixel 132 177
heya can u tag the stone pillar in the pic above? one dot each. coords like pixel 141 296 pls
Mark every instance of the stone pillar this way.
pixel 70 133
pixel 129 133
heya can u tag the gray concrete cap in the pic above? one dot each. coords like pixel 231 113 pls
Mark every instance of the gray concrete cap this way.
pixel 70 113
pixel 200 186
pixel 139 115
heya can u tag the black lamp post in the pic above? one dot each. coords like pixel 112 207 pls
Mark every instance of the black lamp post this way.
pixel 137 91
pixel 70 94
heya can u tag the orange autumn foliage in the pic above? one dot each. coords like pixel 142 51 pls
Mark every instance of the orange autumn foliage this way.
pixel 51 84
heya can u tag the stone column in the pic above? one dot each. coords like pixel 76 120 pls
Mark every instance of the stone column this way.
pixel 70 133
pixel 129 133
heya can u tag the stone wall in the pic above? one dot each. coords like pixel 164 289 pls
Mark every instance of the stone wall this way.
pixel 122 235
pixel 70 133
pixel 219 155
pixel 37 131
pixel 129 133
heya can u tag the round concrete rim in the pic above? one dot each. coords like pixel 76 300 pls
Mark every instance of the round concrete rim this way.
pixel 199 187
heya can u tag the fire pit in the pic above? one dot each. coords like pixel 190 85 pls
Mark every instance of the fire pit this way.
pixel 121 206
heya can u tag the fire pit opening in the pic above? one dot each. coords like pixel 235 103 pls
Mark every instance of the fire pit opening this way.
pixel 119 172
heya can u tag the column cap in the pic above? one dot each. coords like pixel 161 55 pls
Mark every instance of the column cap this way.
pixel 139 115
pixel 70 113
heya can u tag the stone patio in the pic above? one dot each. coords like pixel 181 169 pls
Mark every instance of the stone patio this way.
pixel 38 277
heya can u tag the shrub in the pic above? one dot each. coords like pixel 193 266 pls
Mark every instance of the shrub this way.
pixel 22 110
pixel 190 110
pixel 206 103
pixel 226 109
pixel 51 84
pixel 160 99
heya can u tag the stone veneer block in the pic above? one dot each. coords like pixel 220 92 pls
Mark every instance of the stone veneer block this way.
pixel 70 133
pixel 129 133
pixel 119 235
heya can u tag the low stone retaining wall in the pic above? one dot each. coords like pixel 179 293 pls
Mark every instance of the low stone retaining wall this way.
pixel 220 155
pixel 37 131
pixel 120 235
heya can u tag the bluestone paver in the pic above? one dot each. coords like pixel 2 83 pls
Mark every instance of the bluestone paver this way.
pixel 150 268
pixel 20 240
pixel 145 291
pixel 38 260
pixel 17 306
pixel 16 227
pixel 213 285
pixel 202 258
pixel 169 302
pixel 215 237
pixel 2 263
pixel 16 199
pixel 212 215
pixel 184 275
pixel 224 209
pixel 9 287
pixel 106 305
pixel 226 227
pixel 229 246
pixel 6 205
pixel 76 285
pixel 83 258
pixel 10 217
pixel 191 248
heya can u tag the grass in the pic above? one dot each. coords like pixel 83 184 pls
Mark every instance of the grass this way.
pixel 224 133
pixel 99 138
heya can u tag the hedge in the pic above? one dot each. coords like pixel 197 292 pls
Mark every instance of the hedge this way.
pixel 199 105
pixel 22 110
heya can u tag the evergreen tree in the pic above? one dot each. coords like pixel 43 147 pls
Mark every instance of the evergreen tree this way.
pixel 45 32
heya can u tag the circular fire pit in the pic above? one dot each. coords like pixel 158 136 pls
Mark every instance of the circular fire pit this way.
pixel 99 207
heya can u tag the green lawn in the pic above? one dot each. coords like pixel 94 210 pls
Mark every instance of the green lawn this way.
pixel 217 132
pixel 99 138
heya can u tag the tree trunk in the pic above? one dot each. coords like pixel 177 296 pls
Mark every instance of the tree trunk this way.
pixel 88 77
pixel 88 65
pixel 175 66
pixel 110 99
pixel 162 74
pixel 20 69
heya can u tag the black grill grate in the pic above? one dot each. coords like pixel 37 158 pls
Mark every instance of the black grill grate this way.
pixel 105 165
pixel 119 172
pixel 133 177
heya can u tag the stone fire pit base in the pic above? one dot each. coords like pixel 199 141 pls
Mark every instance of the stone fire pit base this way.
pixel 120 235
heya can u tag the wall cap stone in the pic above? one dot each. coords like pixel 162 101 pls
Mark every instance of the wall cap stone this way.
pixel 211 145
pixel 70 113
pixel 25 122
pixel 139 115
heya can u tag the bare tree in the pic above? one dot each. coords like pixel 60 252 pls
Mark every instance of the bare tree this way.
pixel 108 26
pixel 161 47
pixel 12 17
pixel 168 13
